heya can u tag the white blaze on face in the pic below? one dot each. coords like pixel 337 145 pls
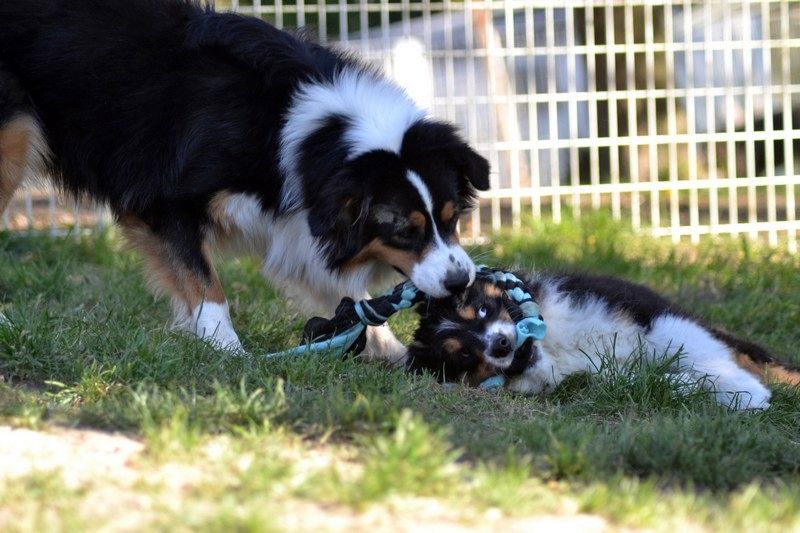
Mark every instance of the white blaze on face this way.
pixel 443 259
pixel 506 329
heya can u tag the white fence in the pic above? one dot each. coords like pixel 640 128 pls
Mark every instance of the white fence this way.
pixel 682 117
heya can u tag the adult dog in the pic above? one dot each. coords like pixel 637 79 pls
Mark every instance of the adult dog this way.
pixel 200 129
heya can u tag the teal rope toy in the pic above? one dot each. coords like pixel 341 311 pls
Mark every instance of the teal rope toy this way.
pixel 526 314
pixel 528 318
pixel 346 332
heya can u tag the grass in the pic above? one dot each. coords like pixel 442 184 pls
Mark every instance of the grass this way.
pixel 266 445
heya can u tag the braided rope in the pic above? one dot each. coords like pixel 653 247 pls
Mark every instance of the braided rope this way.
pixel 355 317
pixel 528 319
pixel 352 318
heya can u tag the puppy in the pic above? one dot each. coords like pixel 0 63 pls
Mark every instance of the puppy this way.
pixel 470 337
pixel 205 131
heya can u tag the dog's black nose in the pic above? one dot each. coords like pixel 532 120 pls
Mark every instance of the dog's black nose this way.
pixel 501 346
pixel 456 281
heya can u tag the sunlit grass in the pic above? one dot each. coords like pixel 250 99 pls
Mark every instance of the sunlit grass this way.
pixel 87 346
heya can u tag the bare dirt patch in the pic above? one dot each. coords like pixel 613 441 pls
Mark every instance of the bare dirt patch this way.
pixel 80 456
pixel 424 514
pixel 120 489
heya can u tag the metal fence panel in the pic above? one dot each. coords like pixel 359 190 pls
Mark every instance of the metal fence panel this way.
pixel 682 117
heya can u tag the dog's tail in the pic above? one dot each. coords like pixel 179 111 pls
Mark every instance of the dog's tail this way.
pixel 759 361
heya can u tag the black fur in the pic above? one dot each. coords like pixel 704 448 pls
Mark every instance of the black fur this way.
pixel 638 302
pixel 427 351
pixel 13 99
pixel 436 147
pixel 154 106
pixel 755 352
pixel 138 113
pixel 641 303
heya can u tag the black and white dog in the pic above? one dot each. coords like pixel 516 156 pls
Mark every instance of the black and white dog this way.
pixel 202 129
pixel 470 337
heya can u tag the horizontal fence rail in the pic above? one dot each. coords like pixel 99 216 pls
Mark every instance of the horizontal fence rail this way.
pixel 681 117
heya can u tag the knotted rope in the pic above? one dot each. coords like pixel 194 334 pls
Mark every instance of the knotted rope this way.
pixel 346 332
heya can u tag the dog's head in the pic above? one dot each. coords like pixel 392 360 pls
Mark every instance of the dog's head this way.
pixel 468 337
pixel 395 207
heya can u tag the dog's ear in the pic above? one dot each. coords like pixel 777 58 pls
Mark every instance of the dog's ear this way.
pixel 420 360
pixel 338 203
pixel 431 140
pixel 338 215
pixel 474 167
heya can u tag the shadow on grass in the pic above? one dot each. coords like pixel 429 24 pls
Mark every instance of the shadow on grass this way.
pixel 87 332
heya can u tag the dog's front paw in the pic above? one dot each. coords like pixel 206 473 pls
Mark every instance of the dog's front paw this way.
pixel 219 335
pixel 535 380
pixel 211 322
pixel 383 345
pixel 222 339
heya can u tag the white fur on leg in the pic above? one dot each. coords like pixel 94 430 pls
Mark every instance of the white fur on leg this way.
pixel 708 359
pixel 212 323
pixel 181 316
pixel 383 345
pixel 542 377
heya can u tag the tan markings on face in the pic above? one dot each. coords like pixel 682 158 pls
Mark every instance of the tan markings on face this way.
pixel 467 312
pixel 417 219
pixel 452 346
pixel 448 212
pixel 376 249
pixel 492 291
pixel 503 315
pixel 483 372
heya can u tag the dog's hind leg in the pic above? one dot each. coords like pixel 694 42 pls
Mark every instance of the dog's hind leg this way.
pixel 709 362
pixel 178 263
pixel 22 153
pixel 23 150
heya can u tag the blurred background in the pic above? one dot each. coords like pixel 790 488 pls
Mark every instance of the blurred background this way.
pixel 681 117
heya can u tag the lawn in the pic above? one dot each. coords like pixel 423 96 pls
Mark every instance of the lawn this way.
pixel 110 421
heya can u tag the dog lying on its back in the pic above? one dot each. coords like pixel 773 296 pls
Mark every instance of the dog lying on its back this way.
pixel 470 337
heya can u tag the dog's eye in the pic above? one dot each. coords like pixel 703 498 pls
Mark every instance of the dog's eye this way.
pixel 464 355
pixel 450 225
pixel 409 233
pixel 483 311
